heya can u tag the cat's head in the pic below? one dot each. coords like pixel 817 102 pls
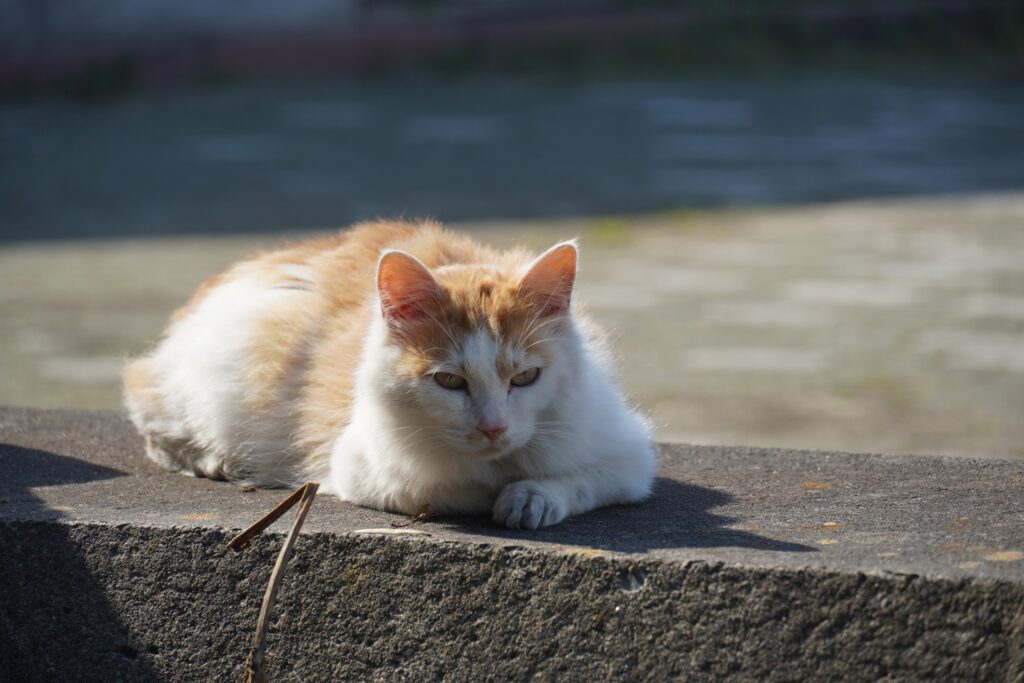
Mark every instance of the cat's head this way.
pixel 477 354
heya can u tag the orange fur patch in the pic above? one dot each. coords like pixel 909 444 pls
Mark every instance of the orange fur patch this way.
pixel 315 338
pixel 477 298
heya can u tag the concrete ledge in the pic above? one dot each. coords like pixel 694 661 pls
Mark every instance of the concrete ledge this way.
pixel 748 563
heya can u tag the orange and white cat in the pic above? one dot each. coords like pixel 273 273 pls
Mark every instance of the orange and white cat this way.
pixel 400 365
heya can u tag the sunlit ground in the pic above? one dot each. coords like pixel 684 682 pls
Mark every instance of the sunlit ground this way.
pixel 894 326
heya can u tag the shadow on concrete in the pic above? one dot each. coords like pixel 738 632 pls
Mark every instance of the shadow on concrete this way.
pixel 677 515
pixel 84 637
pixel 28 467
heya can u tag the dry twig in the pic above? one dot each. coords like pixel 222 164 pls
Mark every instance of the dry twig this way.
pixel 422 515
pixel 243 539
pixel 255 663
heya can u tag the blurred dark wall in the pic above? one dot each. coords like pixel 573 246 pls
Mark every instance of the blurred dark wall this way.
pixel 87 47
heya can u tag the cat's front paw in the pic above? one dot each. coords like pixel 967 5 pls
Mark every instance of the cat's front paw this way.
pixel 529 504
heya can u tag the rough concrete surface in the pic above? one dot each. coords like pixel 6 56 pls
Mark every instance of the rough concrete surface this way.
pixel 746 564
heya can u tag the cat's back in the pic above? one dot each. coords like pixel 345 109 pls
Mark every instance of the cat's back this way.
pixel 340 267
pixel 228 376
pixel 336 266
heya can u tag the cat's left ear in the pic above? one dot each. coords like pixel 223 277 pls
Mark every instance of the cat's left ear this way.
pixel 548 280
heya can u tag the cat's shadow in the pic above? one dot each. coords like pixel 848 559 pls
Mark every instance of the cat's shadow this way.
pixel 677 515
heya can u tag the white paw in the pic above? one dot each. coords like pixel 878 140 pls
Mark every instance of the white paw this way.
pixel 528 505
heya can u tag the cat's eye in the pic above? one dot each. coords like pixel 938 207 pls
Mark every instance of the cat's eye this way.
pixel 525 378
pixel 450 381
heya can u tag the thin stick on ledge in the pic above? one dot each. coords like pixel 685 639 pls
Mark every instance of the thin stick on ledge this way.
pixel 243 539
pixel 255 663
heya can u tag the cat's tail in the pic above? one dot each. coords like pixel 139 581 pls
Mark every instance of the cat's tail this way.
pixel 142 396
pixel 167 441
pixel 266 460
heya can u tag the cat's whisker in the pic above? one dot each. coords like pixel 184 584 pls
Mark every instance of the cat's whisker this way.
pixel 425 353
pixel 426 431
pixel 443 328
pixel 536 328
pixel 542 341
pixel 533 324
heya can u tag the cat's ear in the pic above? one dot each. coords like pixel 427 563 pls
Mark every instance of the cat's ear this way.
pixel 407 289
pixel 548 280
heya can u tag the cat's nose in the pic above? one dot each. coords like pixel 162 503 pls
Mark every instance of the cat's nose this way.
pixel 492 431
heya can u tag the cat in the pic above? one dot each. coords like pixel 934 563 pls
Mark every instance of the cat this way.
pixel 400 365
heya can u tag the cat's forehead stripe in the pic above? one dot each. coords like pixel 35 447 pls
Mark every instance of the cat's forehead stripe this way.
pixel 478 352
pixel 484 316
pixel 481 298
pixel 481 355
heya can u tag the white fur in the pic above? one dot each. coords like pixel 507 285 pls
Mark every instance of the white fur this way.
pixel 199 371
pixel 572 443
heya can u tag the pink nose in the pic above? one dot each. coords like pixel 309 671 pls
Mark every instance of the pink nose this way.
pixel 492 432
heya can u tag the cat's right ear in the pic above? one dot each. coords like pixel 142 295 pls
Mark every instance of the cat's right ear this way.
pixel 407 289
